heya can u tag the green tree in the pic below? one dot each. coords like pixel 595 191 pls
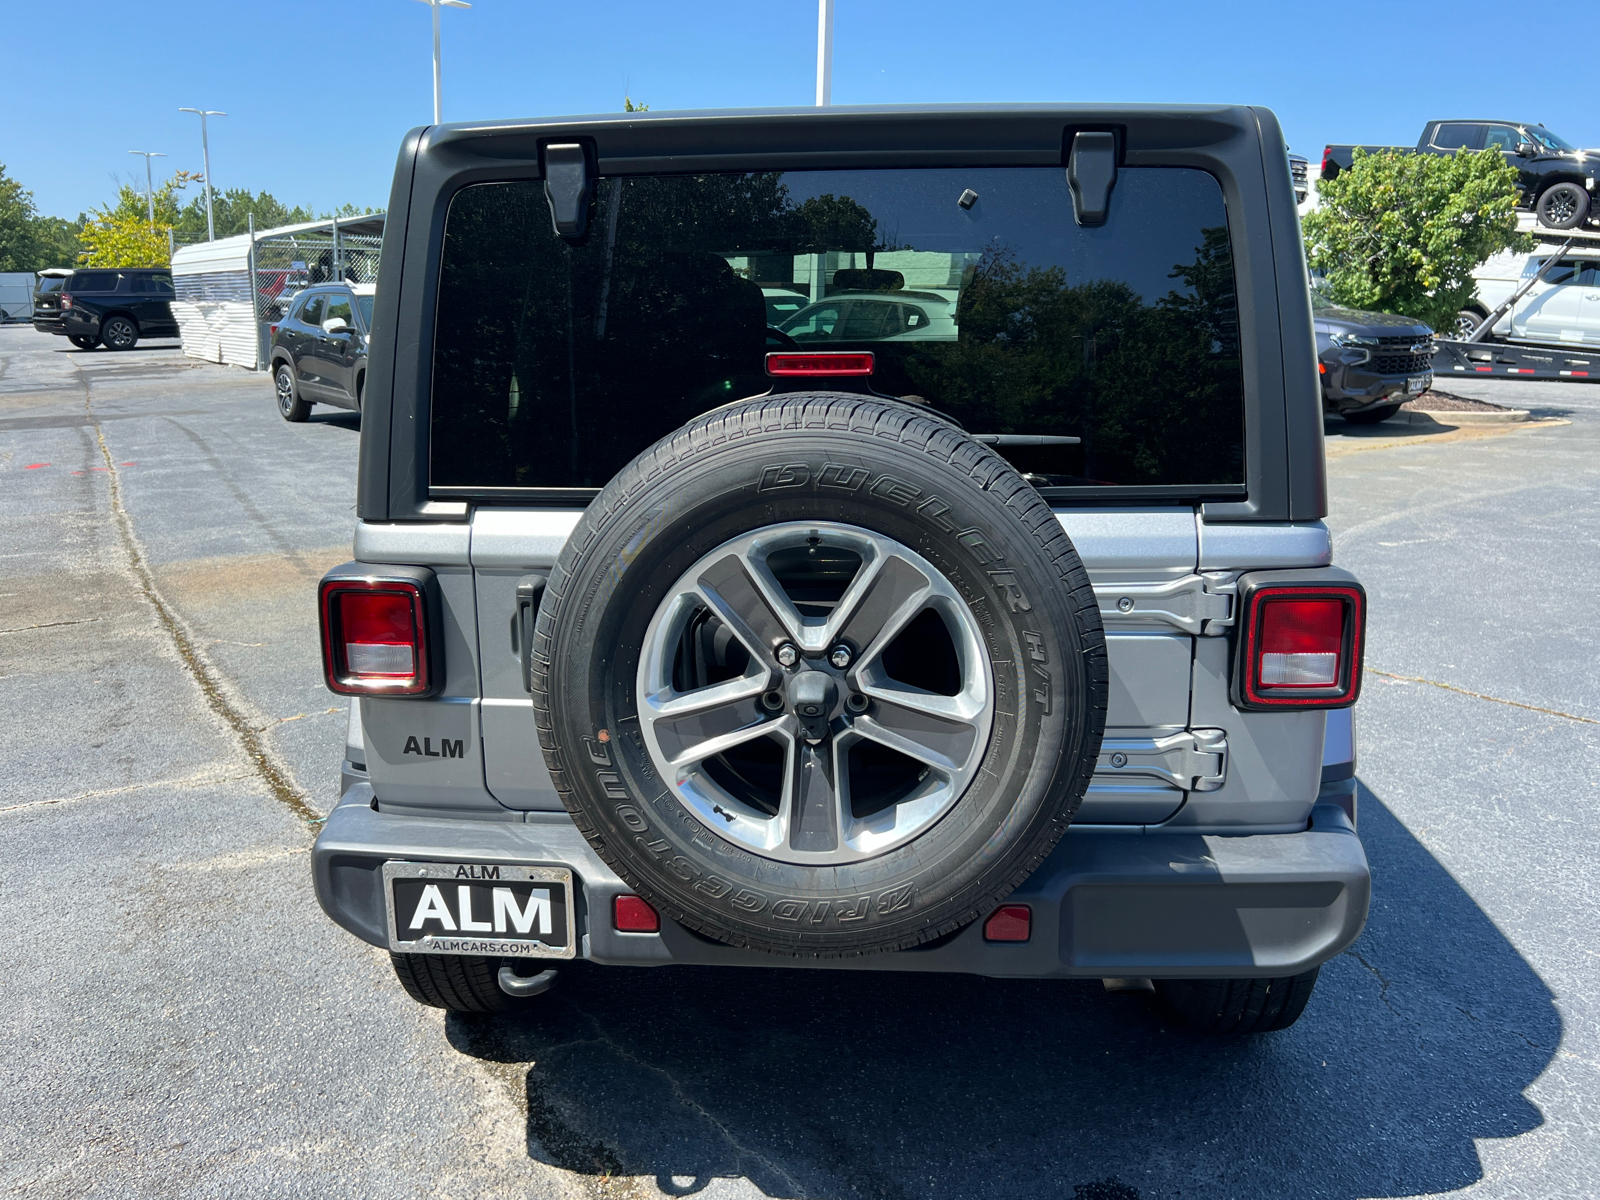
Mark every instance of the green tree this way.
pixel 629 106
pixel 231 213
pixel 29 242
pixel 122 234
pixel 1402 233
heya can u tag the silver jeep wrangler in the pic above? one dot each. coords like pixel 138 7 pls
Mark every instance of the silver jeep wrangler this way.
pixel 874 539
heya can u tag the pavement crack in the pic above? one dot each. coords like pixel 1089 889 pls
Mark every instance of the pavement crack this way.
pixel 203 778
pixel 213 685
pixel 1461 691
pixel 1383 990
pixel 51 625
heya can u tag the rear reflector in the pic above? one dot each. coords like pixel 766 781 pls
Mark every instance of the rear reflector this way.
pixel 832 363
pixel 630 914
pixel 1303 646
pixel 1009 923
pixel 373 637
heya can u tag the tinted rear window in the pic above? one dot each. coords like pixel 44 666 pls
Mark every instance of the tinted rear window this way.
pixel 555 364
pixel 51 283
pixel 94 281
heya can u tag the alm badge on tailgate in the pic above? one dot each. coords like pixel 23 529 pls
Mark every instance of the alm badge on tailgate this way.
pixel 479 909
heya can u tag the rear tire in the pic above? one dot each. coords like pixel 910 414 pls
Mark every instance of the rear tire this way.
pixel 1371 416
pixel 460 984
pixel 290 406
pixel 1237 1006
pixel 83 343
pixel 119 333
pixel 1562 206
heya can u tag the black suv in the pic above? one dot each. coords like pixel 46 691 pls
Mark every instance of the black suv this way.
pixel 319 351
pixel 114 308
pixel 1369 362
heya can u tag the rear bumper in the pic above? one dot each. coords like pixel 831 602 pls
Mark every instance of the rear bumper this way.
pixel 49 325
pixel 1104 905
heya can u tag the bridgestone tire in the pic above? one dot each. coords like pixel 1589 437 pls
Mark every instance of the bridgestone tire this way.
pixel 1563 206
pixel 1237 1006
pixel 459 984
pixel 864 464
pixel 1371 416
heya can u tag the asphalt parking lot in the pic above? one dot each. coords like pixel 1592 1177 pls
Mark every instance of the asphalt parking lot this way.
pixel 182 1020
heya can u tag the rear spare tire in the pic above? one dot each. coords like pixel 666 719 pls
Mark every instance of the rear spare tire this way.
pixel 821 676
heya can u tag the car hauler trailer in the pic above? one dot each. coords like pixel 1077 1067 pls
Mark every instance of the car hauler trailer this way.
pixel 1524 358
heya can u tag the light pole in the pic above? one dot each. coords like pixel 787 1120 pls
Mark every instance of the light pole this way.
pixel 205 151
pixel 438 118
pixel 149 188
pixel 824 53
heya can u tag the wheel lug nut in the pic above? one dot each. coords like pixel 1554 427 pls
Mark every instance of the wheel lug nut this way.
pixel 773 700
pixel 787 655
pixel 857 703
pixel 839 656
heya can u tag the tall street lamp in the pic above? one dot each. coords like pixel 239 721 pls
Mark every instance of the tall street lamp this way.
pixel 149 188
pixel 824 53
pixel 438 118
pixel 205 151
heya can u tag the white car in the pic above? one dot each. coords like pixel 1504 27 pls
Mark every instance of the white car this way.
pixel 875 317
pixel 1564 306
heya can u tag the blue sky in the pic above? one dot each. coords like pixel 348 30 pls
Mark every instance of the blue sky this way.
pixel 319 95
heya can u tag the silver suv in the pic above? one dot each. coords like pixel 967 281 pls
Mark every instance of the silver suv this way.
pixel 1014 648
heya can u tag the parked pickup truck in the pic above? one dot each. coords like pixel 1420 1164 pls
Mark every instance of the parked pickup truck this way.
pixel 678 637
pixel 1556 180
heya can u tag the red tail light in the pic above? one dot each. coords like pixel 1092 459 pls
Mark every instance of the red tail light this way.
pixel 631 914
pixel 374 639
pixel 66 300
pixel 274 329
pixel 1302 645
pixel 828 363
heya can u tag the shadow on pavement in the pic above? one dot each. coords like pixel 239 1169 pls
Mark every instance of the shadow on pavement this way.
pixel 809 1083
pixel 339 418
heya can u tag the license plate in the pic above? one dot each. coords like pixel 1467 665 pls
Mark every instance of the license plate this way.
pixel 1418 384
pixel 485 909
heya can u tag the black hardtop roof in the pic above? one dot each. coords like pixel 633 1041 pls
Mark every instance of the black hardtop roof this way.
pixel 977 132
pixel 1240 146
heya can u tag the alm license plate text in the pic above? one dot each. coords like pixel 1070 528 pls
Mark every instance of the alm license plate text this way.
pixel 1417 384
pixel 479 909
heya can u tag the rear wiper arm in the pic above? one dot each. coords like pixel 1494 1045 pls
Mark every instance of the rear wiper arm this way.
pixel 1024 439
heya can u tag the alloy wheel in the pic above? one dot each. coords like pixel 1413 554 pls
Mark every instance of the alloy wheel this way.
pixel 816 693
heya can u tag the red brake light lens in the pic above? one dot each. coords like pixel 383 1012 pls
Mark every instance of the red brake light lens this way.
pixel 373 637
pixel 66 300
pixel 1009 923
pixel 1303 646
pixel 832 363
pixel 631 914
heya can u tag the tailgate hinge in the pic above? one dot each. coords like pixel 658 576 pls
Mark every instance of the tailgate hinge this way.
pixel 1199 605
pixel 1195 760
